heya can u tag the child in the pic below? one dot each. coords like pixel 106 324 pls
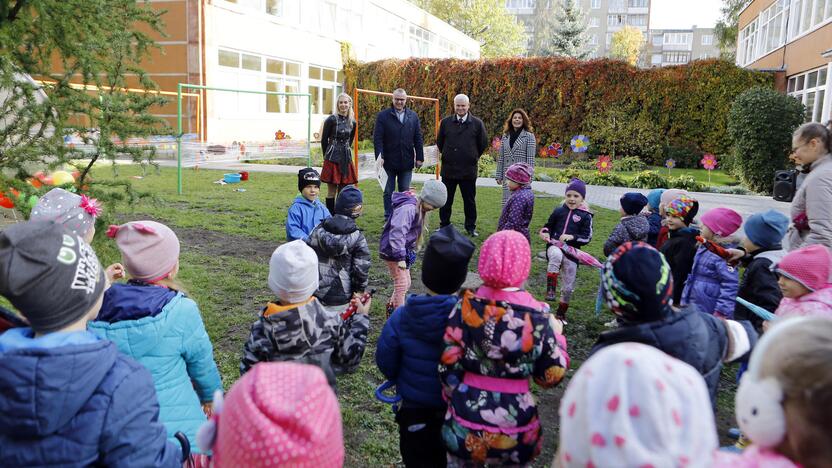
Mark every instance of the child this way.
pixel 654 216
pixel 666 197
pixel 632 405
pixel 637 286
pixel 572 224
pixel 680 247
pixel 278 414
pixel 77 213
pixel 712 284
pixel 495 341
pixel 805 279
pixel 343 255
pixel 402 232
pixel 68 397
pixel 632 227
pixel 763 234
pixel 411 343
pixel 152 321
pixel 307 211
pixel 297 327
pixel 518 209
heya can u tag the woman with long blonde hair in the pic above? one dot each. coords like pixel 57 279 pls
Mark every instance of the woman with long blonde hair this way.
pixel 336 137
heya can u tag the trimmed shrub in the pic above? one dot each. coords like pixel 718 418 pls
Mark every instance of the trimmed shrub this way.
pixel 622 132
pixel 583 165
pixel 608 179
pixel 568 174
pixel 649 180
pixel 761 123
pixel 686 157
pixel 630 164
pixel 686 182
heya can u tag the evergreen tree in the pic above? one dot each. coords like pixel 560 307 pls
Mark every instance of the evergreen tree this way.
pixel 569 37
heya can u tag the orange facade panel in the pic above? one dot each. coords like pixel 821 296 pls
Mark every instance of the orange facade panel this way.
pixel 174 19
pixel 805 53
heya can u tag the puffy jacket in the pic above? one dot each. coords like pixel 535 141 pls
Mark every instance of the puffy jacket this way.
pixel 343 259
pixel 679 250
pixel 410 346
pixel 577 222
pixel 712 284
pixel 818 303
pixel 630 229
pixel 303 216
pixel 813 201
pixel 461 146
pixel 402 229
pixel 759 285
pixel 518 211
pixel 77 402
pixel 163 330
pixel 399 143
pixel 655 220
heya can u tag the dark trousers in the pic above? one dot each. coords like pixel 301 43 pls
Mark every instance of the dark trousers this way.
pixel 420 437
pixel 468 188
pixel 403 178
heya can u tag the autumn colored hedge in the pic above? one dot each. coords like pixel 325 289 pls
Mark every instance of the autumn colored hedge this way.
pixel 685 105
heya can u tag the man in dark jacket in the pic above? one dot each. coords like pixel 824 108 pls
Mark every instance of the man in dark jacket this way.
pixel 397 141
pixel 461 141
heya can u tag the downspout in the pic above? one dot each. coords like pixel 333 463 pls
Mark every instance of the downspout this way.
pixel 203 93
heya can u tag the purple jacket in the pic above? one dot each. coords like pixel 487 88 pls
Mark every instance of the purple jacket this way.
pixel 402 229
pixel 517 214
pixel 712 285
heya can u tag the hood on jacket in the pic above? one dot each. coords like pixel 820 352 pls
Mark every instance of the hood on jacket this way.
pixel 426 316
pixel 687 231
pixel 328 238
pixel 403 198
pixel 821 297
pixel 301 200
pixel 44 388
pixel 133 301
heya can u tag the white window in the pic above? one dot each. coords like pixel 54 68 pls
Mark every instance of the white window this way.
pixel 609 39
pixel 637 20
pixel 658 39
pixel 420 41
pixel 811 89
pixel 676 58
pixel 807 15
pixel 593 39
pixel 707 39
pixel 243 70
pixel 638 3
pixel 283 76
pixel 324 86
pixel 594 21
pixel 595 4
pixel 656 59
pixel 677 38
pixel 616 20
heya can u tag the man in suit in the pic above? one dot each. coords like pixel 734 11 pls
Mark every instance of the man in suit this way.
pixel 397 141
pixel 461 141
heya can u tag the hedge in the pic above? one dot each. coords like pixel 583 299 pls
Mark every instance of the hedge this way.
pixel 687 106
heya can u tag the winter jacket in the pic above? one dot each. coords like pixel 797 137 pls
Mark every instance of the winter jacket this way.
pixel 698 339
pixel 400 144
pixel 712 284
pixel 655 220
pixel 461 146
pixel 630 229
pixel 401 230
pixel 163 330
pixel 752 456
pixel 517 214
pixel 577 222
pixel 410 346
pixel 303 216
pixel 71 399
pixel 813 203
pixel 818 303
pixel 307 333
pixel 680 250
pixel 524 150
pixel 759 285
pixel 343 259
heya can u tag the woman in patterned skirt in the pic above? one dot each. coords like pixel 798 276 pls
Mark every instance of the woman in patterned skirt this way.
pixel 336 137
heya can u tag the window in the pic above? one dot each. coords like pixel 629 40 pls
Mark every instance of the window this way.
pixel 637 20
pixel 658 40
pixel 229 59
pixel 251 62
pixel 593 39
pixel 594 21
pixel 420 40
pixel 595 4
pixel 676 58
pixel 616 20
pixel 275 7
pixel 609 39
pixel 768 31
pixel 810 88
pixel 677 38
pixel 324 85
pixel 703 56
pixel 707 39
pixel 656 59
pixel 638 3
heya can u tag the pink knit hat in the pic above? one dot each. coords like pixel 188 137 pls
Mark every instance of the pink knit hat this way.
pixel 810 266
pixel 520 173
pixel 505 260
pixel 280 414
pixel 149 250
pixel 722 221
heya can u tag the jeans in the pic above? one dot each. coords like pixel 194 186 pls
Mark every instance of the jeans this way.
pixel 403 177
pixel 468 188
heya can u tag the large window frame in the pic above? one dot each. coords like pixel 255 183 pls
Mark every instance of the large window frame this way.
pixel 812 89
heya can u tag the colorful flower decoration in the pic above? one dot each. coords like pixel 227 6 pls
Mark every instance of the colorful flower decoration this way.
pixel 580 144
pixel 670 163
pixel 496 143
pixel 604 164
pixel 279 135
pixel 554 150
pixel 708 162
pixel 543 153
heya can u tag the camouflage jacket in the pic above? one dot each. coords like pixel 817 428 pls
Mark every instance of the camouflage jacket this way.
pixel 343 259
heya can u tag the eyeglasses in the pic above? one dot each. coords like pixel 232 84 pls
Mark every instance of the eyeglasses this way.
pixel 794 150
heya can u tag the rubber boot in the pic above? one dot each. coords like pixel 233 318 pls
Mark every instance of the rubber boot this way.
pixel 561 313
pixel 330 205
pixel 551 286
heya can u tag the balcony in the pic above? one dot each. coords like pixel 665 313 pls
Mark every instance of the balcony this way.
pixel 638 11
pixel 680 47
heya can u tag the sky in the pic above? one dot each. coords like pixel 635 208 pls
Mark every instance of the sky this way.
pixel 682 14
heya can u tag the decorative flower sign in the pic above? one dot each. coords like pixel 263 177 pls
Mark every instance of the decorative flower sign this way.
pixel 542 152
pixel 496 143
pixel 670 163
pixel 708 162
pixel 580 144
pixel 554 150
pixel 279 135
pixel 604 164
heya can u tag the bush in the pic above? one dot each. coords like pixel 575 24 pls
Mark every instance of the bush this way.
pixel 761 124
pixel 583 165
pixel 686 182
pixel 621 132
pixel 487 167
pixel 630 164
pixel 568 174
pixel 649 180
pixel 685 157
pixel 608 179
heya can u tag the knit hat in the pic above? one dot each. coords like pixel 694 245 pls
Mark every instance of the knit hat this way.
pixel 445 265
pixel 576 185
pixel 280 414
pixel 810 266
pixel 76 212
pixel 683 207
pixel 293 272
pixel 505 260
pixel 521 173
pixel 766 230
pixel 49 274
pixel 633 202
pixel 632 405
pixel 654 198
pixel 348 198
pixel 308 176
pixel 636 283
pixel 149 250
pixel 722 221
pixel 670 195
pixel 434 193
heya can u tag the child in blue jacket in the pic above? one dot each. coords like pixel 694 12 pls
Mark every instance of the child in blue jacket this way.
pixel 411 344
pixel 654 215
pixel 306 211
pixel 152 321
pixel 67 397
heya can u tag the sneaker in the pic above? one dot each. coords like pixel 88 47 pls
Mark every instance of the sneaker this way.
pixel 612 323
pixel 473 233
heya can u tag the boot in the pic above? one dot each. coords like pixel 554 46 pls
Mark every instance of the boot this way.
pixel 561 313
pixel 389 309
pixel 330 205
pixel 551 286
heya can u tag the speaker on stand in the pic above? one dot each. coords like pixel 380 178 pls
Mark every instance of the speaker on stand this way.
pixel 785 185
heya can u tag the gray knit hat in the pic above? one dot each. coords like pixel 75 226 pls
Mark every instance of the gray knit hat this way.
pixel 77 213
pixel 434 193
pixel 49 274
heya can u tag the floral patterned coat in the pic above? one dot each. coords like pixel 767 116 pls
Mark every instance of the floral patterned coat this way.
pixel 484 340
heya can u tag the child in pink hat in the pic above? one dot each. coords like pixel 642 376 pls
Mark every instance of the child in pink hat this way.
pixel 805 279
pixel 519 208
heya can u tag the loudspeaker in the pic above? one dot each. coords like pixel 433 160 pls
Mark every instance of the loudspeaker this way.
pixel 785 185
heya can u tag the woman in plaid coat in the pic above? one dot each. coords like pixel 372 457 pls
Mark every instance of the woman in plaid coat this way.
pixel 518 145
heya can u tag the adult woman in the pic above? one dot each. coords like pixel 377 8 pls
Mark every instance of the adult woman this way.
pixel 518 145
pixel 336 138
pixel 811 209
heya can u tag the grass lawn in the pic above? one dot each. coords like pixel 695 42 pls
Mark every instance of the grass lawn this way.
pixel 228 236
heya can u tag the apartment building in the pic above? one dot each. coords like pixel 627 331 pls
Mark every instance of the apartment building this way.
pixel 667 47
pixel 793 37
pixel 604 18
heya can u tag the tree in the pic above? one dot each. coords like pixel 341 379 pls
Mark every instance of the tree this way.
pixel 726 29
pixel 626 44
pixel 563 32
pixel 544 24
pixel 487 21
